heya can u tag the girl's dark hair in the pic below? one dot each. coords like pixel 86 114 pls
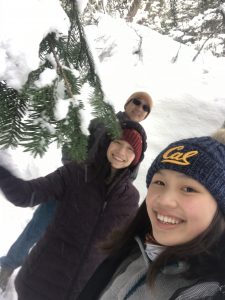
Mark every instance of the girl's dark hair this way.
pixel 99 159
pixel 204 254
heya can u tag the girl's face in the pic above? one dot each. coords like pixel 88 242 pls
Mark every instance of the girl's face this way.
pixel 179 207
pixel 120 154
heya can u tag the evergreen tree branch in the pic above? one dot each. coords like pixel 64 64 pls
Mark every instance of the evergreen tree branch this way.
pixel 12 111
pixel 27 117
pixel 61 71
pixel 209 37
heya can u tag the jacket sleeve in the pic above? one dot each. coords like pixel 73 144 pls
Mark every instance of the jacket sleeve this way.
pixel 96 130
pixel 103 275
pixel 200 290
pixel 99 280
pixel 32 192
pixel 66 157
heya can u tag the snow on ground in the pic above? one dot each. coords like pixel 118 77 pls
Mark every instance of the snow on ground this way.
pixel 188 101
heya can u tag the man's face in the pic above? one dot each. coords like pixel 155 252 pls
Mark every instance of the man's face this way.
pixel 135 110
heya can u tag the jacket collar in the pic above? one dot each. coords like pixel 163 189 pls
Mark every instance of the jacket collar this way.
pixel 151 251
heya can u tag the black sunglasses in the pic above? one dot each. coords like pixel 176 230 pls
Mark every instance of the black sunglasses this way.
pixel 138 102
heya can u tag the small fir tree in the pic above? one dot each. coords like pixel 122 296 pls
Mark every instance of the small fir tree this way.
pixel 27 116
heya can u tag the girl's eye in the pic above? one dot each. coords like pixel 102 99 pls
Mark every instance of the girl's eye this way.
pixel 158 182
pixel 116 141
pixel 189 189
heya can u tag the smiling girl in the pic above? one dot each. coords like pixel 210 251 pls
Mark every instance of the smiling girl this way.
pixel 174 249
pixel 93 198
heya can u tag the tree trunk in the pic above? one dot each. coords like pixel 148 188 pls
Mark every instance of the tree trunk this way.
pixel 133 9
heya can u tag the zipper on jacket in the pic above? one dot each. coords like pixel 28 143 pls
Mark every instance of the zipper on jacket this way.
pixel 103 208
pixel 70 291
pixel 85 253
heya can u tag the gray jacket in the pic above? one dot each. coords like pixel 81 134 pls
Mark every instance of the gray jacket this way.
pixel 129 282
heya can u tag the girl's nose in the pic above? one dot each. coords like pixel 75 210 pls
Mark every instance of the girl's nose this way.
pixel 122 150
pixel 168 199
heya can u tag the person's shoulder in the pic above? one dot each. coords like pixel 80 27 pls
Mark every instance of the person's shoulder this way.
pixel 201 290
pixel 122 116
pixel 96 122
pixel 132 191
pixel 78 173
pixel 133 188
pixel 72 167
pixel 131 185
pixel 126 183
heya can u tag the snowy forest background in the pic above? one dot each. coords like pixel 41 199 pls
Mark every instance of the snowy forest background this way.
pixel 174 50
pixel 195 23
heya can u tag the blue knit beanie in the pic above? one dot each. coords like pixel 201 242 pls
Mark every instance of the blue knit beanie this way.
pixel 201 158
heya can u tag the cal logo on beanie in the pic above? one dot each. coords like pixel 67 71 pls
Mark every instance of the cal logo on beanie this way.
pixel 201 158
pixel 135 140
pixel 174 156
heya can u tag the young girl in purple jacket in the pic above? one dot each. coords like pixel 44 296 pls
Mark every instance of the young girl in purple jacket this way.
pixel 93 198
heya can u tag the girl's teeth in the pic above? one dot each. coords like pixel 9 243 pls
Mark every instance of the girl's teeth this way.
pixel 118 158
pixel 167 220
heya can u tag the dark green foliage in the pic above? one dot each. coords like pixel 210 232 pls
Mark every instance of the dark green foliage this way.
pixel 12 110
pixel 27 117
pixel 72 137
pixel 40 122
pixel 105 113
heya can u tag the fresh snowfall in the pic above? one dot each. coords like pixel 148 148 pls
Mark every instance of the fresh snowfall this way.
pixel 188 95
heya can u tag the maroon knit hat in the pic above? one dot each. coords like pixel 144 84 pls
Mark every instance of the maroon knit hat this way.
pixel 134 138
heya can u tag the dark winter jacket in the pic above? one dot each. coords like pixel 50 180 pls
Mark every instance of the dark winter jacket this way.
pixel 97 130
pixel 123 276
pixel 67 255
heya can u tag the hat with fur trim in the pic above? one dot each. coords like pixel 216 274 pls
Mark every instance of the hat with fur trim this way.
pixel 141 96
pixel 201 158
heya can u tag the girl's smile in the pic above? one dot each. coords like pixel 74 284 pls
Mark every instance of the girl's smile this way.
pixel 168 219
pixel 117 158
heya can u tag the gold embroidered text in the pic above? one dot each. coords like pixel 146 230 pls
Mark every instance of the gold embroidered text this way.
pixel 178 158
